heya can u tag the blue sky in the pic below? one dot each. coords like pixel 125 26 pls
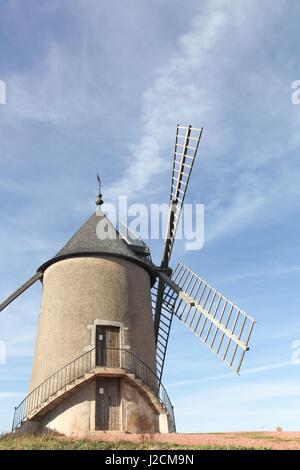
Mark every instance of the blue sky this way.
pixel 100 86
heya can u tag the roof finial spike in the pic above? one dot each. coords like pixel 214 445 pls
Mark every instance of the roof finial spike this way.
pixel 99 200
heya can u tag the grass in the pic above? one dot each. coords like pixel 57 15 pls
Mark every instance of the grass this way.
pixel 46 442
pixel 257 435
pixel 260 435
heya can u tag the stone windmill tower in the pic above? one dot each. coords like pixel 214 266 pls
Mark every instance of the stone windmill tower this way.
pixel 101 341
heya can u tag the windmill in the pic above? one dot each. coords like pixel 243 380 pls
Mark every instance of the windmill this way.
pixel 105 321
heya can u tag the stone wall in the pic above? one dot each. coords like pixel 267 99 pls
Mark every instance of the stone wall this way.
pixel 79 291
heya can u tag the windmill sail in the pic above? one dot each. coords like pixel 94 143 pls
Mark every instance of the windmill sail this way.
pixel 215 320
pixel 163 331
pixel 20 290
pixel 186 146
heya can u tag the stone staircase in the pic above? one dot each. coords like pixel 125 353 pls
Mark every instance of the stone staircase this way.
pixel 54 400
pixel 48 395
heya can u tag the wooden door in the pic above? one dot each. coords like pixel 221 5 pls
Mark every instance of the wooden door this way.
pixel 108 410
pixel 107 346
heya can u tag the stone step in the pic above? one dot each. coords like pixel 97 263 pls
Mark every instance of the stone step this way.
pixel 89 375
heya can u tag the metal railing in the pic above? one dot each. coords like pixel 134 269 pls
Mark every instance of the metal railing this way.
pixel 87 362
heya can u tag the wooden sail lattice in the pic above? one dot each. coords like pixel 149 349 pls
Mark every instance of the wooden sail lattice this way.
pixel 215 320
pixel 186 146
pixel 165 323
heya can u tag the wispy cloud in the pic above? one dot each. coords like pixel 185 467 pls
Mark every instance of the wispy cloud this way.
pixel 253 370
pixel 50 92
pixel 177 95
pixel 238 186
pixel 270 272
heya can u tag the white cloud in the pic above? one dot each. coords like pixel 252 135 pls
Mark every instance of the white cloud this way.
pixel 199 85
pixel 270 272
pixel 253 370
pixel 174 97
pixel 55 91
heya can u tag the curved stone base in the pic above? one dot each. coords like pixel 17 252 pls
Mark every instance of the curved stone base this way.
pixel 74 414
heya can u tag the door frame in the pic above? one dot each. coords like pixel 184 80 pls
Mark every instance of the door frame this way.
pixel 98 364
pixel 91 327
pixel 120 404
pixel 97 322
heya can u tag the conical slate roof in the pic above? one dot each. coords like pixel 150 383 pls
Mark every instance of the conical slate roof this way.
pixel 89 241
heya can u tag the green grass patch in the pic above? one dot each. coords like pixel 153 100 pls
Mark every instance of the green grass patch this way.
pixel 260 435
pixel 45 442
